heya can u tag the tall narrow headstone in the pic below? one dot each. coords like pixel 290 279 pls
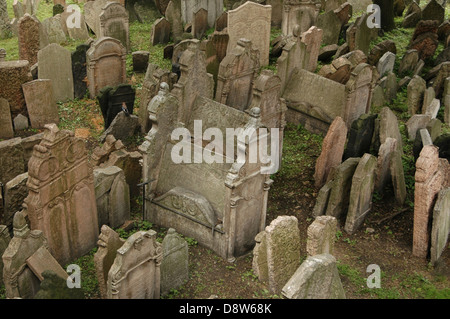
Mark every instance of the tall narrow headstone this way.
pixel 114 23
pixel 321 236
pixel 41 104
pixel 29 41
pixel 6 127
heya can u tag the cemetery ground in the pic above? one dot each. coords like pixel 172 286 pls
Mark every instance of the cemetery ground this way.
pixel 384 239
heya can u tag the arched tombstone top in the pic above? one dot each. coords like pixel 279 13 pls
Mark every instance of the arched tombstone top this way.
pixel 113 10
pixel 360 76
pixel 105 46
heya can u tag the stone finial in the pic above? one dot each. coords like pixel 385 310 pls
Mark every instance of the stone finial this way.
pixel 20 225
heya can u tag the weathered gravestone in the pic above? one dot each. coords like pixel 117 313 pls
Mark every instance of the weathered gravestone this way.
pixel 160 31
pixel 398 177
pixel 237 72
pixel 61 198
pixel 388 127
pixel 415 94
pixel 74 24
pixel 55 64
pixel 441 225
pixel 363 183
pixel 385 154
pixel 429 178
pixel 359 35
pixel 15 192
pixel 114 23
pixel 216 50
pixel 5 28
pixel 79 70
pixel 11 159
pixel 298 13
pixel 222 22
pixel 54 30
pixel 412 16
pixel 140 60
pixel 113 100
pixel 122 127
pixel 135 273
pixel 330 24
pixel 112 195
pixel 29 38
pixel 278 252
pixel 332 151
pixel 199 23
pixel 173 15
pixel 106 66
pixel 322 199
pixel 316 278
pixel 108 244
pixel 213 7
pixel 252 22
pixel 12 75
pixel 386 63
pixel 41 104
pixel 433 11
pixel 425 38
pixel 6 127
pixel 415 123
pixel 321 236
pixel 175 262
pixel 360 136
pixel 408 62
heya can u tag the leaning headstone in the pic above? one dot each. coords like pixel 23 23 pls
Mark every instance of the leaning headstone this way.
pixel 112 101
pixel 29 41
pixel 415 123
pixel 5 28
pixel 122 127
pixel 441 225
pixel 106 65
pixel 11 159
pixel 175 262
pixel 433 11
pixel 15 192
pixel 213 7
pixel 12 75
pixel 332 151
pixel 41 104
pixel 4 242
pixel 412 16
pixel 173 15
pixel 322 199
pixel 114 23
pixel 428 97
pixel 70 223
pixel 423 138
pixel 341 185
pixel 53 29
pixel 389 128
pixel 252 22
pixel 433 108
pixel 160 32
pixel 19 279
pixel 363 184
pixel 316 278
pixel 199 23
pixel 108 244
pixel 330 24
pixel 6 127
pixel 321 236
pixel 55 64
pixel 75 27
pixel 359 35
pixel 222 21
pixel 391 87
pixel 398 177
pixel 425 38
pixel 429 179
pixel 360 136
pixel 408 62
pixel 383 172
pixel 135 273
pixel 386 63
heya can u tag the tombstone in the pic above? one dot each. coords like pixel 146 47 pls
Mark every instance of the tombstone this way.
pixel 53 29
pixel 415 94
pixel 60 160
pixel 359 35
pixel 6 127
pixel 122 127
pixel 15 192
pixel 363 183
pixel 61 76
pixel 316 278
pixel 415 123
pixel 112 101
pixel 106 65
pixel 112 195
pixel 360 136
pixel 379 50
pixel 322 199
pixel 79 71
pixel 199 23
pixel 398 177
pixel 321 236
pixel 428 98
pixel 173 15
pixel 237 72
pixel 281 250
pixel 332 151
pixel 162 5
pixel 11 159
pixel 442 73
pixel 175 262
pixel 29 41
pixel 74 24
pixel 425 38
pixel 386 63
pixel 383 172
pixel 41 104
pixel 433 11
pixel 19 279
pixel 114 23
pixel 389 128
pixel 252 22
pixel 423 138
pixel 412 16
pixel 408 62
pixel 154 76
pixel 441 225
pixel 5 28
pixel 216 50
pixel 433 108
pixel 92 10
pixel 298 12
pixel 429 177
pixel 135 273
pixel 391 87
pixel 213 7
pixel 108 244
pixel 339 70
pixel 331 25
pixel 222 22
pixel 341 184
pixel 160 32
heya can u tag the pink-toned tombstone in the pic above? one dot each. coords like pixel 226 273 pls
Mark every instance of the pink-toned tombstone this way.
pixel 105 64
pixel 61 197
pixel 430 179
